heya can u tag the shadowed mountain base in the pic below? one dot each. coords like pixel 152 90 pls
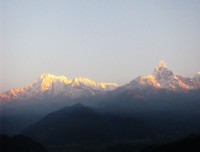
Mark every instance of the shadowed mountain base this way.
pixel 19 144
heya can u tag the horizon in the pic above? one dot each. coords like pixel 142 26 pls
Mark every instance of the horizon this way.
pixel 105 41
pixel 160 64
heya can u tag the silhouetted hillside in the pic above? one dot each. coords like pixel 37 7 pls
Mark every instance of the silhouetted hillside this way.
pixel 19 144
pixel 82 125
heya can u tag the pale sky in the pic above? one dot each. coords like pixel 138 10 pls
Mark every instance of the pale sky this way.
pixel 104 40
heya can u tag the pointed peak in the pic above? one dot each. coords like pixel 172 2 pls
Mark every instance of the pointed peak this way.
pixel 160 67
pixel 50 76
pixel 162 71
pixel 45 75
pixel 197 75
pixel 161 64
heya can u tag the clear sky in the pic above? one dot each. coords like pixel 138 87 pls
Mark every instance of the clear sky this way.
pixel 104 40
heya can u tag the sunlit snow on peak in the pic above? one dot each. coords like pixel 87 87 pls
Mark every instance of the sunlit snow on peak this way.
pixel 51 85
pixel 161 64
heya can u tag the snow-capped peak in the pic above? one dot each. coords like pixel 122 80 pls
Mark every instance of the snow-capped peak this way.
pixel 162 72
pixel 45 77
pixel 48 82
pixel 197 74
pixel 161 64
pixel 197 77
pixel 163 78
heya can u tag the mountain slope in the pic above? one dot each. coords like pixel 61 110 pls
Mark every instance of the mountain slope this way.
pixel 81 125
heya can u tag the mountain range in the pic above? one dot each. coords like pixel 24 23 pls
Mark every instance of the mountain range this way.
pixel 50 86
pixel 47 86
